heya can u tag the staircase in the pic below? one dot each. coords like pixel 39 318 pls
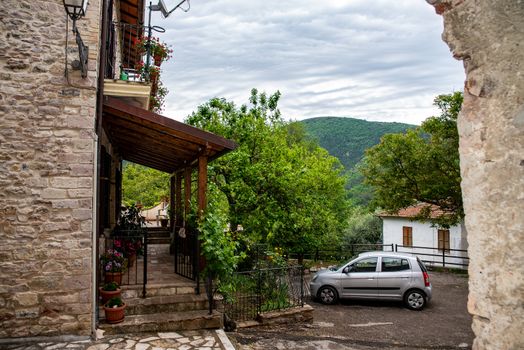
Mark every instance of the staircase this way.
pixel 158 235
pixel 171 303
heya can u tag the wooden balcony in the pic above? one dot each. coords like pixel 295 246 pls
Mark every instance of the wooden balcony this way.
pixel 135 93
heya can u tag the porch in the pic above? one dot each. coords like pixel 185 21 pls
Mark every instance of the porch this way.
pixel 161 287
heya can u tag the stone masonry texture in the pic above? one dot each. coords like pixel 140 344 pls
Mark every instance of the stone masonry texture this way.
pixel 46 170
pixel 488 36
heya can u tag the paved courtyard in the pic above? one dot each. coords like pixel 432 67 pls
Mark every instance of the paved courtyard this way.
pixel 443 324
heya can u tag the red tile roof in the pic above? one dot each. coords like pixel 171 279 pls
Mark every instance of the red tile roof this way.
pixel 414 210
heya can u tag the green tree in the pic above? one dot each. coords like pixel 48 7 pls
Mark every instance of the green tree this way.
pixel 142 184
pixel 363 228
pixel 280 187
pixel 421 165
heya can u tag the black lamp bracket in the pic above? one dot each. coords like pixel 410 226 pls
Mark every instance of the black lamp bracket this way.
pixel 83 51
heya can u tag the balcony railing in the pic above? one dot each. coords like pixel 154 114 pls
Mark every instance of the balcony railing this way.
pixel 122 54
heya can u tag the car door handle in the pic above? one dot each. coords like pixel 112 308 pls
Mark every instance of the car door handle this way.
pixel 370 279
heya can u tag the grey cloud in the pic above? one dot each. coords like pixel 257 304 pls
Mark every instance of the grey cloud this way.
pixel 370 59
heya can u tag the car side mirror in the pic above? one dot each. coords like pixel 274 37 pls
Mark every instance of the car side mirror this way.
pixel 347 269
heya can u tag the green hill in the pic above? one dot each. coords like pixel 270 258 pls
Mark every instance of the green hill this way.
pixel 348 138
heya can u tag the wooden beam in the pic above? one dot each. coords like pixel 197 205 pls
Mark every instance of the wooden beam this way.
pixel 178 199
pixel 202 184
pixel 187 192
pixel 172 193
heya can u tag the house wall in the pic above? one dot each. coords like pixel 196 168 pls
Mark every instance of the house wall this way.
pixel 425 236
pixel 488 36
pixel 47 144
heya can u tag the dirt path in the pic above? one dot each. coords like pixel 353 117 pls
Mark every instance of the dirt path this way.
pixel 443 324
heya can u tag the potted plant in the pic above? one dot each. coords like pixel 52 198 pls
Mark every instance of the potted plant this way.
pixel 157 49
pixel 114 265
pixel 114 310
pixel 109 290
pixel 128 234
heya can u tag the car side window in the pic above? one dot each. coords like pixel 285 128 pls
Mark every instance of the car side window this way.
pixel 394 264
pixel 364 265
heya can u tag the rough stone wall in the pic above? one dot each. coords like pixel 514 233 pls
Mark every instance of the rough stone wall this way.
pixel 489 37
pixel 46 170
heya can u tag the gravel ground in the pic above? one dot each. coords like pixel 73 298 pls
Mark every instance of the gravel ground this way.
pixel 443 324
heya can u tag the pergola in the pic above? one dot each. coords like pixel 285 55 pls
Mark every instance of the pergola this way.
pixel 164 144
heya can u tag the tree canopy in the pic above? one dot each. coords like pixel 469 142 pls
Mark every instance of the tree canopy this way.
pixel 281 187
pixel 142 184
pixel 421 165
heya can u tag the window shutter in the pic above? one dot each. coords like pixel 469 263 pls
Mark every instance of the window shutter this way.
pixel 407 236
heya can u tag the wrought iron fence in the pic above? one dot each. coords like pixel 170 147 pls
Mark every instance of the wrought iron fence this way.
pixel 341 254
pixel 133 247
pixel 264 290
pixel 432 256
pixel 186 253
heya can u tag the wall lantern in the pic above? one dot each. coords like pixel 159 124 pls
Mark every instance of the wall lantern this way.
pixel 76 9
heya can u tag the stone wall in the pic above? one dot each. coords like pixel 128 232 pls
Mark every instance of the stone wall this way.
pixel 489 37
pixel 46 170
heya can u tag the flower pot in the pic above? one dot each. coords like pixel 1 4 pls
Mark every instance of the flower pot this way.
pixel 114 314
pixel 108 294
pixel 113 277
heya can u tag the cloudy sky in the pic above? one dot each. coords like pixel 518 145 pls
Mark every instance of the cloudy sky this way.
pixel 369 59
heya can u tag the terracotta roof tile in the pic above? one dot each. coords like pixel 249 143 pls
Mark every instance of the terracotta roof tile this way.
pixel 413 211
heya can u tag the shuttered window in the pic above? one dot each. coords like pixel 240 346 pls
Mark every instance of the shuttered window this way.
pixel 443 240
pixel 407 236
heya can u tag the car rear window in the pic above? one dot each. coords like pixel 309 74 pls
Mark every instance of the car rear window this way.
pixel 422 266
pixel 394 264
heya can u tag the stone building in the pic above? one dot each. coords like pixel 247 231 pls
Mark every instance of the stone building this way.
pixel 488 37
pixel 63 136
pixel 64 133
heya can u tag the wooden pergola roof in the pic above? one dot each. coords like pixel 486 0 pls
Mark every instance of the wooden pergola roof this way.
pixel 158 142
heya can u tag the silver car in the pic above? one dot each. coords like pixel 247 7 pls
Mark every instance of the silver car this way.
pixel 375 275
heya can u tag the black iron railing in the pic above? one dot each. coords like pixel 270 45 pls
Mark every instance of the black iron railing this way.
pixel 263 290
pixel 133 246
pixel 432 256
pixel 186 260
pixel 122 54
pixel 340 254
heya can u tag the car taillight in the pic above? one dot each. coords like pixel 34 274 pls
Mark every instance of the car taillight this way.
pixel 426 278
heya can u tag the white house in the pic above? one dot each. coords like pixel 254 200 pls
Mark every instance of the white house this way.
pixel 434 245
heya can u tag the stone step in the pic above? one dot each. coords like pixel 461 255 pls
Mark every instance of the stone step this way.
pixel 164 322
pixel 158 240
pixel 165 304
pixel 158 233
pixel 154 290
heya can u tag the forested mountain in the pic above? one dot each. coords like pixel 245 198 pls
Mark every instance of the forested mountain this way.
pixel 348 138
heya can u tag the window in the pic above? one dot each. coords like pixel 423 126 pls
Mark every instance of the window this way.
pixel 443 240
pixel 364 265
pixel 407 236
pixel 394 264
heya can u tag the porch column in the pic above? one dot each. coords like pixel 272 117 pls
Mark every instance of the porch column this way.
pixel 202 184
pixel 187 193
pixel 178 199
pixel 172 208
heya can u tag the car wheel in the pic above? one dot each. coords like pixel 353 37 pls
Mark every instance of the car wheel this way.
pixel 415 299
pixel 327 295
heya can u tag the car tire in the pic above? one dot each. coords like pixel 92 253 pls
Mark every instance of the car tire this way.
pixel 327 295
pixel 415 299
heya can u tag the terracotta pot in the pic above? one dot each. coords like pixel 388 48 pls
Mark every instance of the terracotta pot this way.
pixel 108 294
pixel 113 277
pixel 114 314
